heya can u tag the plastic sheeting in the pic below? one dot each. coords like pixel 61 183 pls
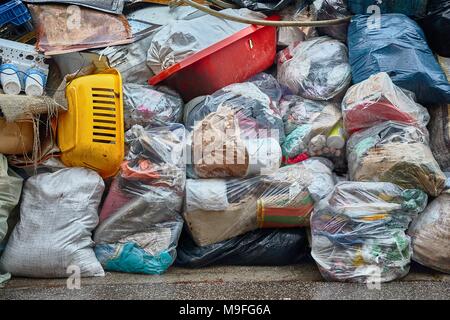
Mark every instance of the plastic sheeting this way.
pixel 436 26
pixel 284 199
pixel 377 100
pixel 57 215
pixel 316 69
pixel 140 222
pixel 400 49
pixel 182 38
pixel 265 247
pixel 293 35
pixel 397 153
pixel 329 10
pixel 61 29
pixel 415 8
pixel 358 231
pixel 313 128
pixel 440 135
pixel 266 6
pixel 236 131
pixel 149 106
pixel 430 234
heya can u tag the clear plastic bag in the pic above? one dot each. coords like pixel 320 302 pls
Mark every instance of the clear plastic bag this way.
pixel 313 128
pixel 237 130
pixel 315 69
pixel 147 192
pixel 430 235
pixel 217 210
pixel 378 99
pixel 62 29
pixel 150 106
pixel 153 173
pixel 150 252
pixel 395 152
pixel 358 231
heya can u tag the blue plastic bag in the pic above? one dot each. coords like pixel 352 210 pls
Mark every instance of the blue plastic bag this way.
pixel 399 48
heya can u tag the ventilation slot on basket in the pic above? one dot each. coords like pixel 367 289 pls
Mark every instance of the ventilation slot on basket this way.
pixel 104 115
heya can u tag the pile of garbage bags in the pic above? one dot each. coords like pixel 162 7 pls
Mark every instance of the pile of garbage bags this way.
pixel 155 137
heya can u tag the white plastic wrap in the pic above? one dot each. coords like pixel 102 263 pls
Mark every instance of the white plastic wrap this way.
pixel 317 69
pixel 358 231
pixel 378 99
pixel 395 152
pixel 217 210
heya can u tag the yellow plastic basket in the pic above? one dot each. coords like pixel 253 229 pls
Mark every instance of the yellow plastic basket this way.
pixel 91 132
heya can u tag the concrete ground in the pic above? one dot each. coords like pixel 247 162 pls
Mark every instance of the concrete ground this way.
pixel 291 282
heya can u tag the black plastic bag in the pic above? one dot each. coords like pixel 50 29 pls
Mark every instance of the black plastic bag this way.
pixel 437 26
pixel 266 6
pixel 263 247
pixel 330 10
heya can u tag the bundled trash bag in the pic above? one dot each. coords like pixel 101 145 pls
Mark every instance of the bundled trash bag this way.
pixel 57 215
pixel 150 252
pixel 263 247
pixel 313 128
pixel 149 106
pixel 358 231
pixel 395 152
pixel 400 49
pixel 140 221
pixel 266 6
pixel 330 10
pixel 430 235
pixel 436 25
pixel 236 131
pixel 316 69
pixel 61 29
pixel 220 209
pixel 416 8
pixel 440 135
pixel 185 36
pixel 378 99
pixel 10 190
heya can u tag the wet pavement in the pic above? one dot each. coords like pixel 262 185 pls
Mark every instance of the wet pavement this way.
pixel 291 282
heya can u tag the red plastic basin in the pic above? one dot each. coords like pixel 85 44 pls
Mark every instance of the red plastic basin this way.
pixel 232 60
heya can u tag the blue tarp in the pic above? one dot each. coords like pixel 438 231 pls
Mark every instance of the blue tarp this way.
pixel 399 48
